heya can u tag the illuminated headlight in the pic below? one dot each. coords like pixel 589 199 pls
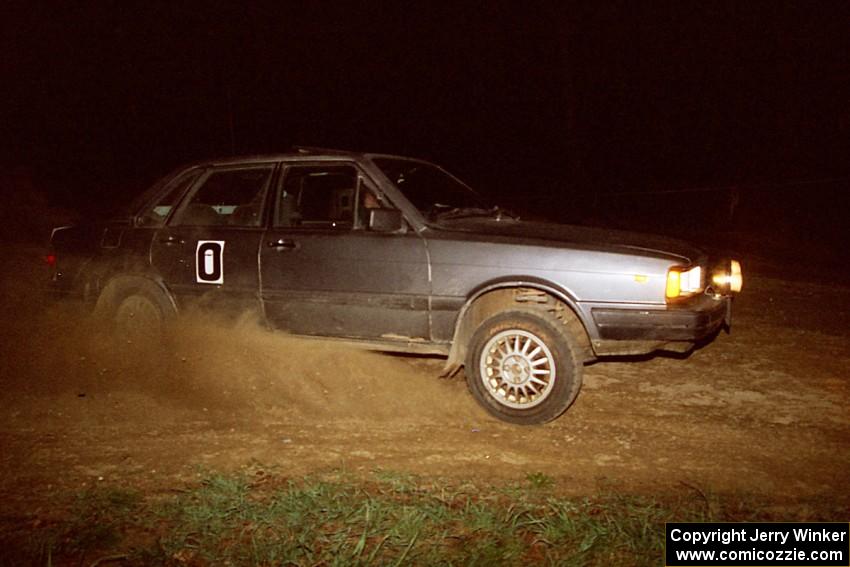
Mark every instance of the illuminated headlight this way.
pixel 682 282
pixel 729 279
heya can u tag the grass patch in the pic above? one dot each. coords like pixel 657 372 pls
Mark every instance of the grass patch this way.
pixel 88 523
pixel 386 519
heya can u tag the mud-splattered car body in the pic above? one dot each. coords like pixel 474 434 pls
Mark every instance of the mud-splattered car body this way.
pixel 396 254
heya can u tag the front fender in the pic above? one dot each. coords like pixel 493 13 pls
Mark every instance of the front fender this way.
pixel 503 293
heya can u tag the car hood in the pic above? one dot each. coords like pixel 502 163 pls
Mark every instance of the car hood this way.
pixel 604 239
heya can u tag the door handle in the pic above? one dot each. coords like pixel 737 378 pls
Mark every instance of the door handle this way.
pixel 283 244
pixel 170 240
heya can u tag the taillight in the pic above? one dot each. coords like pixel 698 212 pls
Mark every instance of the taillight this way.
pixel 51 260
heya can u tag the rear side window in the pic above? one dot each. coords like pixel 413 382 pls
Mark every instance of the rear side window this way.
pixel 230 197
pixel 158 212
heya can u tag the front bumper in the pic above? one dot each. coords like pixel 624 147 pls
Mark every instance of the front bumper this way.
pixel 689 321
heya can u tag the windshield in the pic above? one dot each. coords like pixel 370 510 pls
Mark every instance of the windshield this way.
pixel 434 192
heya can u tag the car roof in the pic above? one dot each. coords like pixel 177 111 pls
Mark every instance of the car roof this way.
pixel 297 151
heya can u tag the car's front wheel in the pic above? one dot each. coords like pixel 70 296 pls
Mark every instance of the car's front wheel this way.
pixel 523 366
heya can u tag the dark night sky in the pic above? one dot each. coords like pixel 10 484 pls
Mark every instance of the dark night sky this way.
pixel 558 99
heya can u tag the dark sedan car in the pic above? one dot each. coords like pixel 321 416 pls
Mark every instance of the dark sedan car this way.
pixel 397 254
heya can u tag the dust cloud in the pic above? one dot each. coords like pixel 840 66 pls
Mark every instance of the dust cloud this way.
pixel 203 363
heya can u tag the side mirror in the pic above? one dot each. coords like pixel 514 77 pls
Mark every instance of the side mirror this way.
pixel 385 220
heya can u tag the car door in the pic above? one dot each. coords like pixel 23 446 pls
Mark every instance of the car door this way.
pixel 324 272
pixel 208 251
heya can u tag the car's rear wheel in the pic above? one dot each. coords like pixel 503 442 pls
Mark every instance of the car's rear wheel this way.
pixel 139 317
pixel 523 366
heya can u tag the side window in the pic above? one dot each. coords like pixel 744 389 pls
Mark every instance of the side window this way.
pixel 156 214
pixel 227 197
pixel 317 196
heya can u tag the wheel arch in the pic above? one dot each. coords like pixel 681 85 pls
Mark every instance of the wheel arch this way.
pixel 496 296
pixel 121 286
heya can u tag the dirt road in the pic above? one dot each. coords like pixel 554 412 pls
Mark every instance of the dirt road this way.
pixel 761 412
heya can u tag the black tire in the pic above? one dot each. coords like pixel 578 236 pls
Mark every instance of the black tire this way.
pixel 523 366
